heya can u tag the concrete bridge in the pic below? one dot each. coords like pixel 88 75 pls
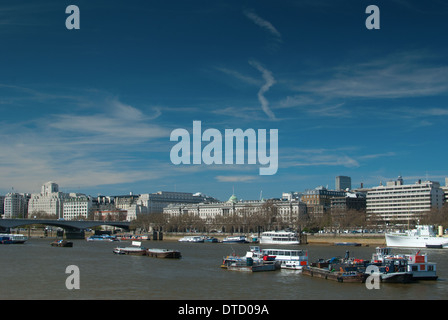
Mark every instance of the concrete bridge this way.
pixel 74 229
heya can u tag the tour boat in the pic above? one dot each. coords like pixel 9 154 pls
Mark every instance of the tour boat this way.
pixel 289 259
pixel 279 237
pixel 235 239
pixel 134 249
pixel 423 236
pixel 12 238
pixel 195 239
pixel 163 253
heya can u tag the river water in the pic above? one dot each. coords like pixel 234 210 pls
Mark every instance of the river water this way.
pixel 35 270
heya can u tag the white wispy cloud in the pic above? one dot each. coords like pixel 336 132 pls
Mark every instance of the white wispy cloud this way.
pixel 269 82
pixel 264 24
pixel 345 157
pixel 110 146
pixel 403 74
pixel 244 178
pixel 239 76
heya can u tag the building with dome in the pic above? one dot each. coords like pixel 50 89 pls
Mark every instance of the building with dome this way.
pixel 288 212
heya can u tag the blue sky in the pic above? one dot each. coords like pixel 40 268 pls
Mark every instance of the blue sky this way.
pixel 92 109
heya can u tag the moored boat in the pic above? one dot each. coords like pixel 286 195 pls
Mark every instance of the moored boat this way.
pixel 392 270
pixel 288 258
pixel 134 249
pixel 62 243
pixel 251 266
pixel 253 261
pixel 279 237
pixel 163 253
pixel 353 244
pixel 12 238
pixel 133 237
pixel 416 263
pixel 102 237
pixel 235 239
pixel 343 274
pixel 422 236
pixel 195 239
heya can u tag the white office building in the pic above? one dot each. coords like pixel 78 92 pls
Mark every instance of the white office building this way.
pixel 15 205
pixel 288 212
pixel 398 201
pixel 76 207
pixel 48 201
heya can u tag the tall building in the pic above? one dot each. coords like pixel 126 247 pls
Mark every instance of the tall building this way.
pixel 445 190
pixel 2 205
pixel 318 200
pixel 76 206
pixel 397 201
pixel 49 201
pixel 15 205
pixel 343 183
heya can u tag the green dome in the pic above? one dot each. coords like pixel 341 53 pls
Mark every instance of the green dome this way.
pixel 233 199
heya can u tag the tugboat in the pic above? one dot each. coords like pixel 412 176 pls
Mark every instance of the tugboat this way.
pixel 393 270
pixel 251 262
pixel 62 243
pixel 417 263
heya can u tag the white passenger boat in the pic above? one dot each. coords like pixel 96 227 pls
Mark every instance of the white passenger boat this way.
pixel 279 237
pixel 288 259
pixel 423 236
pixel 6 238
pixel 235 239
pixel 195 239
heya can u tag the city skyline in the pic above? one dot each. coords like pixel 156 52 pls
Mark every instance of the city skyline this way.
pixel 93 109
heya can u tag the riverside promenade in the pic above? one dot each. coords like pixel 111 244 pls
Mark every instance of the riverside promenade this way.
pixel 365 239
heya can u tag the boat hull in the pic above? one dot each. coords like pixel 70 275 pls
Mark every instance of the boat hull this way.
pixel 397 277
pixel 254 268
pixel 130 251
pixel 335 276
pixel 401 240
pixel 66 244
pixel 270 241
pixel 164 254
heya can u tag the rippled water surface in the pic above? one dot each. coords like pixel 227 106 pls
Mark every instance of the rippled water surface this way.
pixel 35 270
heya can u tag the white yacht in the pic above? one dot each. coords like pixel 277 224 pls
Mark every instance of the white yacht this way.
pixel 423 236
pixel 195 239
pixel 279 237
